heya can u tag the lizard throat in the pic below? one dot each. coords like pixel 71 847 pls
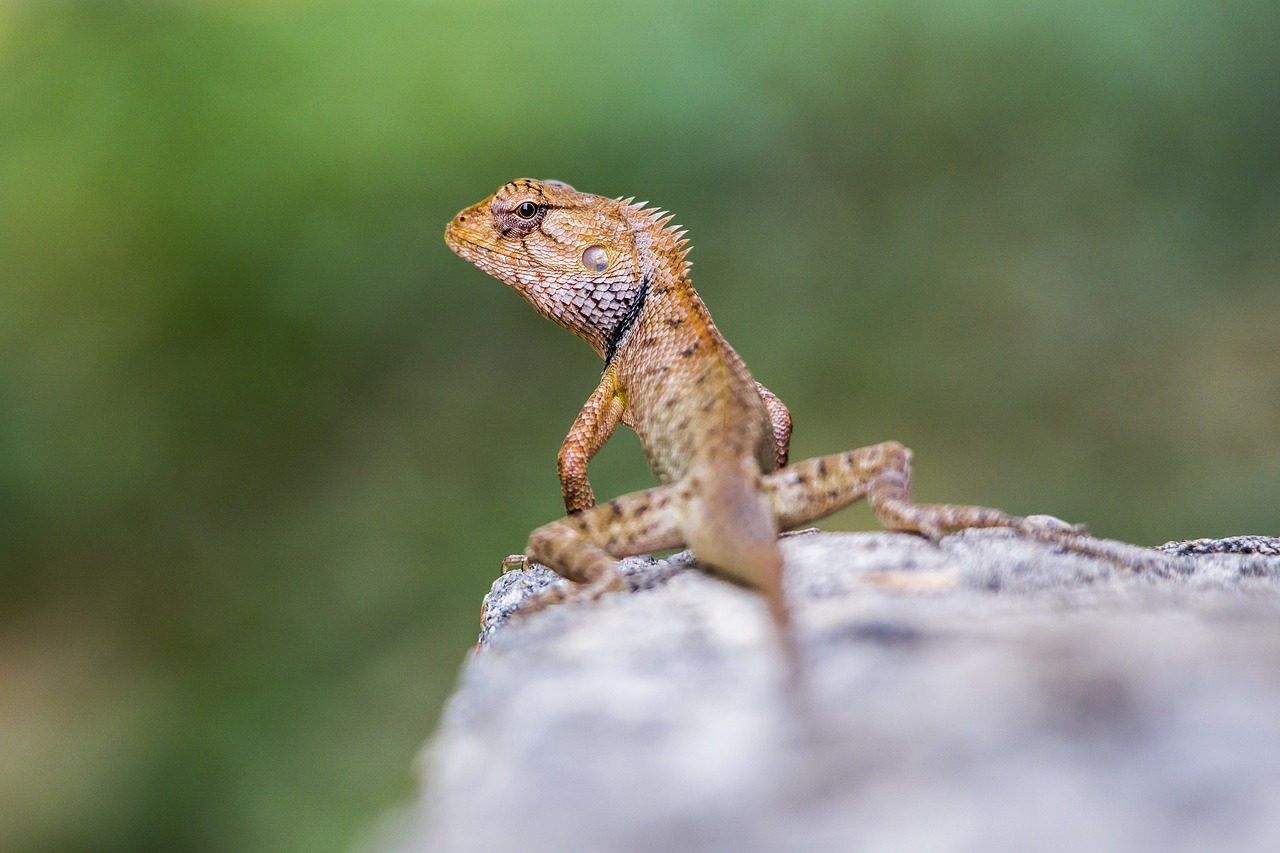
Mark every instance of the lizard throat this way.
pixel 619 332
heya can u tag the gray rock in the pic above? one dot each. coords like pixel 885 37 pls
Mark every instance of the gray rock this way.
pixel 986 694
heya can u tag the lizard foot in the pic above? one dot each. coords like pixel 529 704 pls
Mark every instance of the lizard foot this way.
pixel 1042 526
pixel 931 531
pixel 571 593
pixel 1077 539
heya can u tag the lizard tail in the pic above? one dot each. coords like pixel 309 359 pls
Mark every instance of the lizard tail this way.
pixel 768 567
pixel 731 528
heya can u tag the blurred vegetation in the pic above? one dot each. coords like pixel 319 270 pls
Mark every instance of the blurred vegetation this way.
pixel 264 440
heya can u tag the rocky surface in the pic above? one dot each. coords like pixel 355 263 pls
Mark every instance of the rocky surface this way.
pixel 985 694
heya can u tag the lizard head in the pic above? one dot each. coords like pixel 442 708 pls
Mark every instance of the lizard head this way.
pixel 581 260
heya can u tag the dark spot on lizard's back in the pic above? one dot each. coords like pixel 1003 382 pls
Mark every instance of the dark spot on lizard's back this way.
pixel 614 509
pixel 822 468
pixel 675 322
pixel 689 350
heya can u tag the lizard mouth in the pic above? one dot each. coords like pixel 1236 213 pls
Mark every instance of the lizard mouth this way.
pixel 463 244
pixel 459 244
pixel 476 244
pixel 467 246
pixel 474 249
pixel 461 234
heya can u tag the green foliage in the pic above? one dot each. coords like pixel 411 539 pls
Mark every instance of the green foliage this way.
pixel 264 440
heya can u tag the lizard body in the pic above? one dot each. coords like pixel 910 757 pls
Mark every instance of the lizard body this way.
pixel 614 273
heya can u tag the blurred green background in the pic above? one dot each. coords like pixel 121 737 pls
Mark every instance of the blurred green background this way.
pixel 264 440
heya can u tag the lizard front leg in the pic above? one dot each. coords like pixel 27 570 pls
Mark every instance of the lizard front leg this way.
pixel 590 430
pixel 815 488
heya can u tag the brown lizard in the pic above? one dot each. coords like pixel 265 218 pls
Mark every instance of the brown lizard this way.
pixel 614 273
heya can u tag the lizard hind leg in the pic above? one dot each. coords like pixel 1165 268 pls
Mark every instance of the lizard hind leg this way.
pixel 817 487
pixel 584 547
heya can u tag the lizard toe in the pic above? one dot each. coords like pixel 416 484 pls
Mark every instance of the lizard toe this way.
pixel 1048 525
pixel 515 562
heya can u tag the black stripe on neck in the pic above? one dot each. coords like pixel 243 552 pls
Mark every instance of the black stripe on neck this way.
pixel 628 320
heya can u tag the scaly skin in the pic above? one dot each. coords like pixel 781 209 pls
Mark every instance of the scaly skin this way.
pixel 614 273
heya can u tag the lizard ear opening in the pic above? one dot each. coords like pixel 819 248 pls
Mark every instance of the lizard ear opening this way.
pixel 595 259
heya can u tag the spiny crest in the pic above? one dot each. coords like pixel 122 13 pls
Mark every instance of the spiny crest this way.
pixel 670 236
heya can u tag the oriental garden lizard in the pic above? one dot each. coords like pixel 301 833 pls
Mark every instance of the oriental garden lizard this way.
pixel 614 273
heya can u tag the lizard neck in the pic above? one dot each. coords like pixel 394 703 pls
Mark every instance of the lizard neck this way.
pixel 614 337
pixel 664 288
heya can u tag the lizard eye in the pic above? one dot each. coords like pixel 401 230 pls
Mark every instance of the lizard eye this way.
pixel 527 211
pixel 595 258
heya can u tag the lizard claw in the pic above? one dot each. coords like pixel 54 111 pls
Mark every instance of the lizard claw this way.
pixel 569 593
pixel 515 562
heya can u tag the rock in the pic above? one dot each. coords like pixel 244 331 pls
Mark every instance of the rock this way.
pixel 987 694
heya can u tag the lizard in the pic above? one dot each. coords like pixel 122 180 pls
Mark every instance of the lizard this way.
pixel 615 273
